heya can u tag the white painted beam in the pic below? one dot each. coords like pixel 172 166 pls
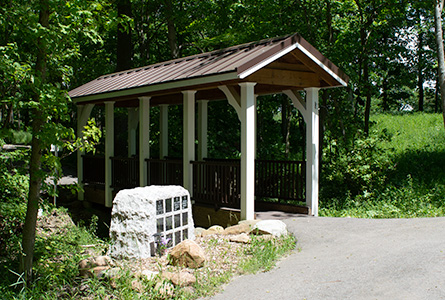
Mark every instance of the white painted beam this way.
pixel 188 138
pixel 248 132
pixel 163 128
pixel 133 120
pixel 109 151
pixel 312 146
pixel 144 139
pixel 83 114
pixel 202 129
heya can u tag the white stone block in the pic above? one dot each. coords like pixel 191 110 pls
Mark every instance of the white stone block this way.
pixel 140 213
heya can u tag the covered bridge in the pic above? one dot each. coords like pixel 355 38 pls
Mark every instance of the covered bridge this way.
pixel 239 74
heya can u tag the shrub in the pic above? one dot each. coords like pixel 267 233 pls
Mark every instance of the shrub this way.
pixel 412 184
pixel 16 137
pixel 13 193
pixel 358 169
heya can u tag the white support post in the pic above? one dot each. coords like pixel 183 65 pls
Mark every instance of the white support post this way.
pixel 248 131
pixel 133 120
pixel 189 138
pixel 83 114
pixel 109 152
pixel 144 139
pixel 312 143
pixel 163 128
pixel 202 129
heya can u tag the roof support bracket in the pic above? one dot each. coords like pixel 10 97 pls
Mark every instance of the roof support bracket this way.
pixel 233 97
pixel 298 102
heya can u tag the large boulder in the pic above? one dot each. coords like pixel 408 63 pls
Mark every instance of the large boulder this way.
pixel 237 229
pixel 274 227
pixel 187 254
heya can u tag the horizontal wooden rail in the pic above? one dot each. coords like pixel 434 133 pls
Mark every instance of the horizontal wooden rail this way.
pixel 280 179
pixel 165 171
pixel 217 183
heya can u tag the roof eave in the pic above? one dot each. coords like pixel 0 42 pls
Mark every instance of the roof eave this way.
pixel 170 85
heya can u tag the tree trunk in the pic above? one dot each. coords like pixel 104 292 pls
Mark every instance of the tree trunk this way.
pixel 124 43
pixel 440 51
pixel 420 65
pixel 323 114
pixel 329 22
pixel 436 95
pixel 368 94
pixel 366 83
pixel 421 90
pixel 288 116
pixel 171 35
pixel 385 104
pixel 35 182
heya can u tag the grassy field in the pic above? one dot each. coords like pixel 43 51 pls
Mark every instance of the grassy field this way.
pixel 414 183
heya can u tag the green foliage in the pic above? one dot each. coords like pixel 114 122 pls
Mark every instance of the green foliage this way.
pixel 408 201
pixel 414 185
pixel 359 169
pixel 16 137
pixel 58 250
pixel 13 193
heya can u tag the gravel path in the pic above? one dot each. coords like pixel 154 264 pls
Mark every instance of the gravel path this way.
pixel 344 258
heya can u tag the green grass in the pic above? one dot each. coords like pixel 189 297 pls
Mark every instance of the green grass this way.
pixel 59 249
pixel 415 182
pixel 419 131
pixel 264 253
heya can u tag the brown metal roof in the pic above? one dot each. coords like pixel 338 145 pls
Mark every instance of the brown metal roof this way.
pixel 275 64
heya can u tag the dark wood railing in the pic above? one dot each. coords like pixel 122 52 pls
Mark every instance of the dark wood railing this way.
pixel 165 171
pixel 93 170
pixel 280 179
pixel 125 172
pixel 217 183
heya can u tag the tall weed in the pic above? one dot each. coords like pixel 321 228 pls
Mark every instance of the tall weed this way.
pixel 414 180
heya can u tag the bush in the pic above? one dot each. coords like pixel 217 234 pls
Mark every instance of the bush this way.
pixel 400 177
pixel 13 193
pixel 359 169
pixel 16 137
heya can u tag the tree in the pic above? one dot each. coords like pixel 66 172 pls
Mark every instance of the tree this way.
pixel 438 8
pixel 33 59
pixel 35 182
pixel 124 40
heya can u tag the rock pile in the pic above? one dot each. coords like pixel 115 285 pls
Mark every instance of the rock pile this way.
pixel 275 228
pixel 184 257
pixel 95 266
